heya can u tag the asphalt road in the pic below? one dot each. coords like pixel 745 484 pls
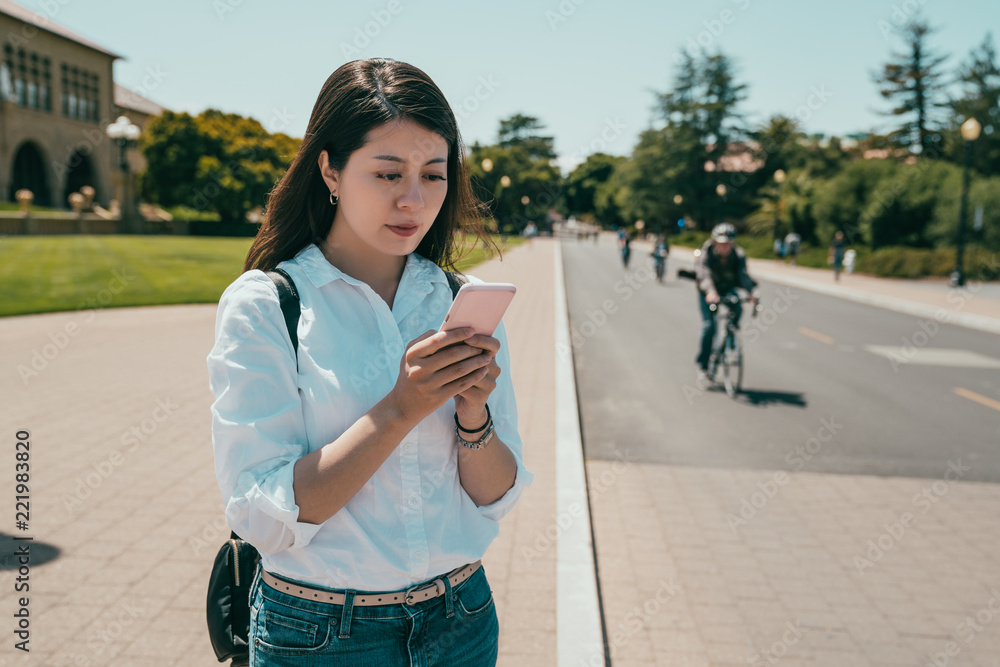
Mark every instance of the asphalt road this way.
pixel 829 385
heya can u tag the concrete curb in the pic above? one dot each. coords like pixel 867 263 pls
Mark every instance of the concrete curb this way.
pixel 579 635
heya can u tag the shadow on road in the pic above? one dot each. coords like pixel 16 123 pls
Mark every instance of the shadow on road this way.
pixel 764 398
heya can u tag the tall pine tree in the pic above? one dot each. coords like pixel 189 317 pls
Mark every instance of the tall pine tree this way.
pixel 702 117
pixel 911 80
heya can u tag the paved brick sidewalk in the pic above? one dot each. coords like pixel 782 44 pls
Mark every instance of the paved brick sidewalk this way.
pixel 734 567
pixel 521 563
pixel 123 484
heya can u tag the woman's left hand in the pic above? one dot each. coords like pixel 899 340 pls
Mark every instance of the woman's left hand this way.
pixel 471 403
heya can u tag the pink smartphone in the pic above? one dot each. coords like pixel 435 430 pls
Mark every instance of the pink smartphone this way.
pixel 479 306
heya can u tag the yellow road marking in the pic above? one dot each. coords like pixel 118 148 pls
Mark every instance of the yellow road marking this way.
pixel 816 335
pixel 978 398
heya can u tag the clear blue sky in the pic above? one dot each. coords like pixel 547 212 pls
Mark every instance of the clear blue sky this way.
pixel 586 70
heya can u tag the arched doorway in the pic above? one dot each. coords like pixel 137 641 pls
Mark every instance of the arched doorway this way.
pixel 29 173
pixel 79 172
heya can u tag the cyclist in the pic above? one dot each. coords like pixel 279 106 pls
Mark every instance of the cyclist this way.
pixel 721 267
pixel 625 245
pixel 660 251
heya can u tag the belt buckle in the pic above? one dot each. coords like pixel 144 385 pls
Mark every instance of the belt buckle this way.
pixel 438 584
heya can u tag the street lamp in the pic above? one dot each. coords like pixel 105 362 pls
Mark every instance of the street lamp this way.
pixel 525 200
pixel 125 132
pixel 779 178
pixel 970 132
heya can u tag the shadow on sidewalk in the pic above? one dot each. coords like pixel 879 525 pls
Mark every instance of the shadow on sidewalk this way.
pixel 38 552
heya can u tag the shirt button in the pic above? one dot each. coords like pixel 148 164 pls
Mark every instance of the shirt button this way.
pixel 419 555
pixel 408 447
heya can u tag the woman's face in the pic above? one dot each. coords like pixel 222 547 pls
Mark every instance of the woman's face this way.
pixel 391 189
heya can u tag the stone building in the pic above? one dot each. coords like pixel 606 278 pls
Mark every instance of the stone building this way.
pixel 57 95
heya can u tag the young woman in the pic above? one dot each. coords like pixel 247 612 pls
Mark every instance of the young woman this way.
pixel 344 464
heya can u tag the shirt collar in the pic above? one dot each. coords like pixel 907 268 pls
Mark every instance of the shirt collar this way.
pixel 420 270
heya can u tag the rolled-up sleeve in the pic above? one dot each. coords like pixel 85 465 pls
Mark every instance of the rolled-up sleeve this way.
pixel 503 408
pixel 258 429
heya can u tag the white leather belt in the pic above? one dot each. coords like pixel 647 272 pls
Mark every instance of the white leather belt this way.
pixel 409 596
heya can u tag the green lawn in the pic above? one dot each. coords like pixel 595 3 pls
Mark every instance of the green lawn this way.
pixel 58 273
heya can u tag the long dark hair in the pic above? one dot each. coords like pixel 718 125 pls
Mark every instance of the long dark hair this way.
pixel 359 97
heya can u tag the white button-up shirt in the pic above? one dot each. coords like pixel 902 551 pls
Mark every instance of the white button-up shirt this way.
pixel 412 520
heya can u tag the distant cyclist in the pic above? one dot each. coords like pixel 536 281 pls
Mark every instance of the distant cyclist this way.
pixel 625 246
pixel 721 267
pixel 661 248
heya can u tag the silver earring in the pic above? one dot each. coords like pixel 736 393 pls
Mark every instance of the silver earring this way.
pixel 333 199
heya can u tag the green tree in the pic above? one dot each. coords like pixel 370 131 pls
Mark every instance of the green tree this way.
pixel 825 157
pixel 793 211
pixel 649 181
pixel 702 122
pixel 979 98
pixel 582 184
pixel 912 81
pixel 841 203
pixel 779 144
pixel 610 195
pixel 172 143
pixel 884 203
pixel 214 162
pixel 704 102
pixel 523 131
pixel 532 185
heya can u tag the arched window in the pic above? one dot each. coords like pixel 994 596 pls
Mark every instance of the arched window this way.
pixel 29 173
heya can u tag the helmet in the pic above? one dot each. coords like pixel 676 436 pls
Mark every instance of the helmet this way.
pixel 724 232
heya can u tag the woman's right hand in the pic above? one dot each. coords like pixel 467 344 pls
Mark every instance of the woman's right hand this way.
pixel 436 366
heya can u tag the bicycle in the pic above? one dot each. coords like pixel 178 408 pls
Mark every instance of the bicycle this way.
pixel 727 353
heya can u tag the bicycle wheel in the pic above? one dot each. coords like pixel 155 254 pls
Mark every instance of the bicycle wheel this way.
pixel 732 365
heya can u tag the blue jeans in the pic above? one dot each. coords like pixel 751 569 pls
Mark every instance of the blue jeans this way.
pixel 457 629
pixel 708 328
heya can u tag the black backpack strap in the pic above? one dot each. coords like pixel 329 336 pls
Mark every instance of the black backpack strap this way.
pixel 455 281
pixel 288 297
